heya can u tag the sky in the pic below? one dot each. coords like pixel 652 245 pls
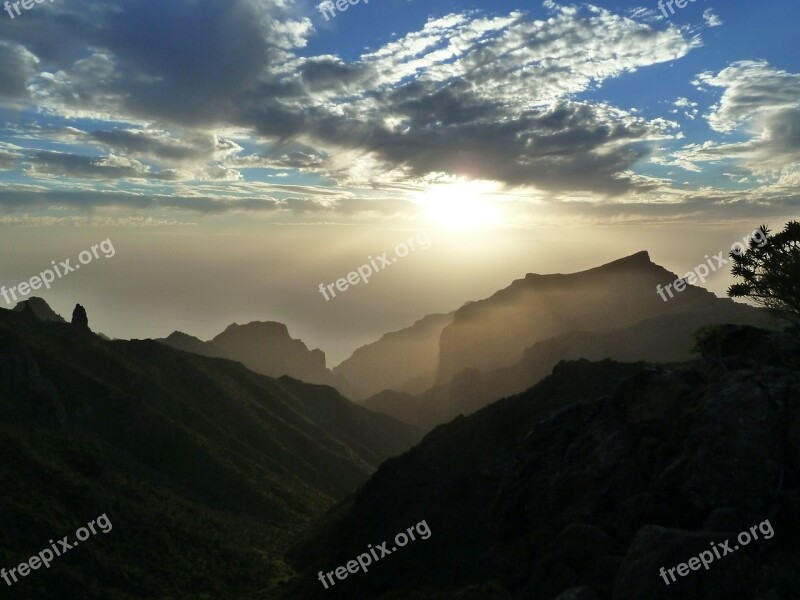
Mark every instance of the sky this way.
pixel 239 154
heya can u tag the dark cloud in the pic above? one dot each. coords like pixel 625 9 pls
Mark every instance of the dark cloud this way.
pixel 89 200
pixel 87 167
pixel 9 156
pixel 190 147
pixel 17 65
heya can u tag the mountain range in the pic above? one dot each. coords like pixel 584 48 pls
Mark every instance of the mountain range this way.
pixel 449 364
pixel 206 470
pixel 508 342
pixel 581 433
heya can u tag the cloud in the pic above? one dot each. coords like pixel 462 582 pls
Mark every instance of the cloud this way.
pixel 9 156
pixel 158 144
pixel 690 108
pixel 760 102
pixel 751 88
pixel 482 97
pixel 157 62
pixel 17 65
pixel 711 19
pixel 62 164
pixel 93 221
pixel 297 159
pixel 116 167
pixel 87 200
pixel 774 148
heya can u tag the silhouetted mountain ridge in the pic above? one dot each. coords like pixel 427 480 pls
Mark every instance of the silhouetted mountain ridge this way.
pixel 262 346
pixel 493 333
pixel 663 336
pixel 197 461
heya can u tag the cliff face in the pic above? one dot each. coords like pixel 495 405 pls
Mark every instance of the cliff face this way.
pixel 587 484
pixel 403 361
pixel 267 348
pixel 647 477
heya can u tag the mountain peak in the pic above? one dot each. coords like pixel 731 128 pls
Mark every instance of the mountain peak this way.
pixel 40 309
pixel 642 257
pixel 266 347
pixel 179 336
pixel 262 327
pixel 638 260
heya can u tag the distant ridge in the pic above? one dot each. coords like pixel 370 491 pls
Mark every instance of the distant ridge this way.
pixel 264 347
pixel 507 343
pixel 40 308
pixel 492 333
pixel 189 343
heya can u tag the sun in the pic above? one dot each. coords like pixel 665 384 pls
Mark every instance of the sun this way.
pixel 461 205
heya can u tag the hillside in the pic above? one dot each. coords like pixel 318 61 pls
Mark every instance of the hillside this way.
pixel 206 470
pixel 585 485
pixel 661 339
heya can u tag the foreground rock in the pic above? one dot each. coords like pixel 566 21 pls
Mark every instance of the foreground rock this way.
pixel 676 459
pixel 586 485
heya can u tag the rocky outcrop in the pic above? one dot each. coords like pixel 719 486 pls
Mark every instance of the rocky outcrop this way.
pixel 263 347
pixel 80 320
pixel 677 458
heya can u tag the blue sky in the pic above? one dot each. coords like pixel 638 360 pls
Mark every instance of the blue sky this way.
pixel 484 119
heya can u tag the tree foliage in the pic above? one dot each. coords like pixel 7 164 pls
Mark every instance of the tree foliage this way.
pixel 769 271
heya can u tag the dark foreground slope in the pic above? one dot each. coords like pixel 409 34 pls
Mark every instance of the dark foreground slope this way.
pixel 205 469
pixel 586 485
